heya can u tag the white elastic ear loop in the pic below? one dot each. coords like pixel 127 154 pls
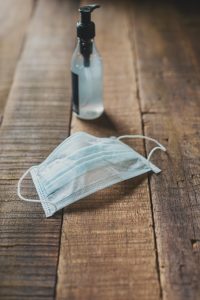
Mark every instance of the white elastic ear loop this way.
pixel 27 199
pixel 160 146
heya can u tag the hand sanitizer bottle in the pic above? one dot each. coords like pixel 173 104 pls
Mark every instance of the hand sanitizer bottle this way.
pixel 86 70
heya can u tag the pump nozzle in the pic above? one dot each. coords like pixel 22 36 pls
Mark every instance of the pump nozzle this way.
pixel 88 8
pixel 86 31
pixel 86 28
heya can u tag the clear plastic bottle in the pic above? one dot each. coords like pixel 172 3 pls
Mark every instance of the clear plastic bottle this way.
pixel 87 70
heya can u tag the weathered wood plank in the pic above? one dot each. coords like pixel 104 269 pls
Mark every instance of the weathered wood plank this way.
pixel 107 245
pixel 14 19
pixel 36 119
pixel 168 73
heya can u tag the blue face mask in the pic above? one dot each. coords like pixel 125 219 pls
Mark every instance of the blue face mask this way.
pixel 83 164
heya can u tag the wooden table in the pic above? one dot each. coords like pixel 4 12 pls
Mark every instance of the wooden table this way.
pixel 136 240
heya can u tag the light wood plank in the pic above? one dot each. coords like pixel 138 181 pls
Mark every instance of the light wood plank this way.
pixel 107 245
pixel 36 119
pixel 14 20
pixel 168 72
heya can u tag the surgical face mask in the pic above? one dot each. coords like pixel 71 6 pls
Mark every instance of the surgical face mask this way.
pixel 83 164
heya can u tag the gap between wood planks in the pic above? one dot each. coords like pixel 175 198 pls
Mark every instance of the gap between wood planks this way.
pixel 135 60
pixel 77 5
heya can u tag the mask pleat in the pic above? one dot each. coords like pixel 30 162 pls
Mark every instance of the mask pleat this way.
pixel 82 168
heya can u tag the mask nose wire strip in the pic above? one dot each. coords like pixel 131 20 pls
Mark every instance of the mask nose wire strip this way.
pixel 27 199
pixel 160 146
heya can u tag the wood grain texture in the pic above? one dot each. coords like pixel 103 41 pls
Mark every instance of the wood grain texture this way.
pixel 111 247
pixel 36 119
pixel 168 72
pixel 107 245
pixel 14 19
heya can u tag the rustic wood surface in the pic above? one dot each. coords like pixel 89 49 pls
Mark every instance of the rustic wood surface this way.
pixel 107 243
pixel 36 119
pixel 13 25
pixel 136 240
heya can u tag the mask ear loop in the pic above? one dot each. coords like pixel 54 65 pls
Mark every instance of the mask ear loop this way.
pixel 160 146
pixel 28 199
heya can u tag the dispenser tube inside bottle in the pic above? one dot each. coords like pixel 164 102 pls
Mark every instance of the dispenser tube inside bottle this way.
pixel 86 51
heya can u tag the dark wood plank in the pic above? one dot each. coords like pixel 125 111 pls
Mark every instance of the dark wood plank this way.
pixel 189 16
pixel 36 119
pixel 14 20
pixel 107 245
pixel 168 74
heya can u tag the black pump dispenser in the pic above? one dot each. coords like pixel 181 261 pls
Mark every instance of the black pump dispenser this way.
pixel 86 31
